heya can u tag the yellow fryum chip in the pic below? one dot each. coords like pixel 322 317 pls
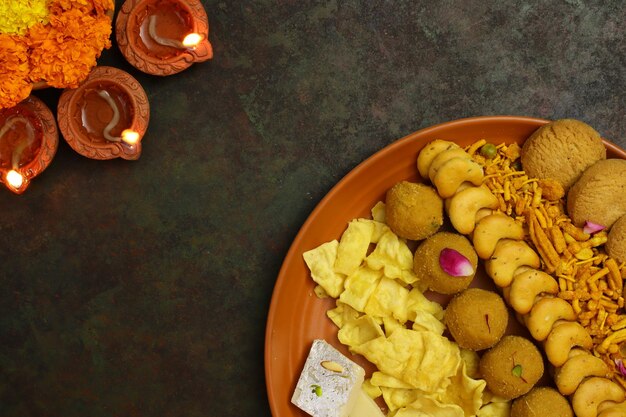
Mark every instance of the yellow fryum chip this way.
pixel 464 391
pixel 320 262
pixel 471 360
pixel 353 247
pixel 490 397
pixel 427 406
pixel 389 299
pixel 390 324
pixel 409 277
pixel 371 390
pixel 425 314
pixel 422 359
pixel 499 409
pixel 418 302
pixel 342 314
pixel 431 369
pixel 355 333
pixel 396 398
pixel 378 229
pixel 394 257
pixel 379 212
pixel 381 379
pixel 427 322
pixel 359 286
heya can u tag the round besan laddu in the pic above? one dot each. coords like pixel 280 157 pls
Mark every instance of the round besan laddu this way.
pixel 562 150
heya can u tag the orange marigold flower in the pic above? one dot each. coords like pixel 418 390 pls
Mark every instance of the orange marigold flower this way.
pixel 14 84
pixel 60 51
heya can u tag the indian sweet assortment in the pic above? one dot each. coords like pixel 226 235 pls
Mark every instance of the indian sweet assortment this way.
pixel 546 222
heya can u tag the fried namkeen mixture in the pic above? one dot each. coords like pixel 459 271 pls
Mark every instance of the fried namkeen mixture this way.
pixel 590 280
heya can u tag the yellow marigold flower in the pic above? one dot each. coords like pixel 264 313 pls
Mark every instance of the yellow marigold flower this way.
pixel 17 16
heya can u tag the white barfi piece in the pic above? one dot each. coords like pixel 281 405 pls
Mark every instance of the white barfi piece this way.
pixel 329 384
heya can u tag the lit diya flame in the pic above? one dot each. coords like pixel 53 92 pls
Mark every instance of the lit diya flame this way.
pixel 128 136
pixel 190 41
pixel 14 179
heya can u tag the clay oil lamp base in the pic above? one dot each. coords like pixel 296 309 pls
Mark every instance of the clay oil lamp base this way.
pixel 28 141
pixel 163 37
pixel 106 116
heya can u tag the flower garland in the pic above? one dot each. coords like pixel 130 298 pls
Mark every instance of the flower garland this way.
pixel 58 47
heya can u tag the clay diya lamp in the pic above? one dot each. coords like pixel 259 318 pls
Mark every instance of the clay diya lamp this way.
pixel 106 116
pixel 28 141
pixel 163 37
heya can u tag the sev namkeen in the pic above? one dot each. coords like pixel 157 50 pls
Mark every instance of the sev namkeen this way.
pixel 588 279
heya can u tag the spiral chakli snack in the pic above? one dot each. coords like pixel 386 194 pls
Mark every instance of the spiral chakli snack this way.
pixel 523 273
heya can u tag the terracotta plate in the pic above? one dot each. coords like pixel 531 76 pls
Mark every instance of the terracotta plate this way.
pixel 296 315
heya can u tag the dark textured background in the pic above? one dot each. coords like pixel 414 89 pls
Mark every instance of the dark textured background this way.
pixel 142 288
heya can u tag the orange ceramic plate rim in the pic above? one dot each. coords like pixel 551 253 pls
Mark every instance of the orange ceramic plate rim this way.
pixel 293 299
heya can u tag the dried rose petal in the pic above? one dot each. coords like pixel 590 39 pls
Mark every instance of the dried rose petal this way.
pixel 591 227
pixel 455 264
pixel 620 366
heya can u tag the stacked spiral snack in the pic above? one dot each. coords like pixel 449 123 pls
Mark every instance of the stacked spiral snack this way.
pixel 516 268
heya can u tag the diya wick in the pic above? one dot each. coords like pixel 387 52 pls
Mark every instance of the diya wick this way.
pixel 190 41
pixel 163 37
pixel 128 135
pixel 106 116
pixel 28 141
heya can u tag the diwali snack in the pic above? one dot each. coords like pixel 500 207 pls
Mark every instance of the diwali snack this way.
pixel 544 315
pixel 598 196
pixel 556 277
pixel 383 315
pixel 424 360
pixel 565 250
pixel 414 211
pixel 508 256
pixel 541 401
pixel 561 151
pixel 463 207
pixel 320 262
pixel 329 384
pixel 526 286
pixel 579 366
pixel 491 229
pixel 476 318
pixel 616 240
pixel 512 367
pixel 594 391
pixel 445 262
pixel 429 152
pixel 564 336
pixel 451 168
pixel 610 409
